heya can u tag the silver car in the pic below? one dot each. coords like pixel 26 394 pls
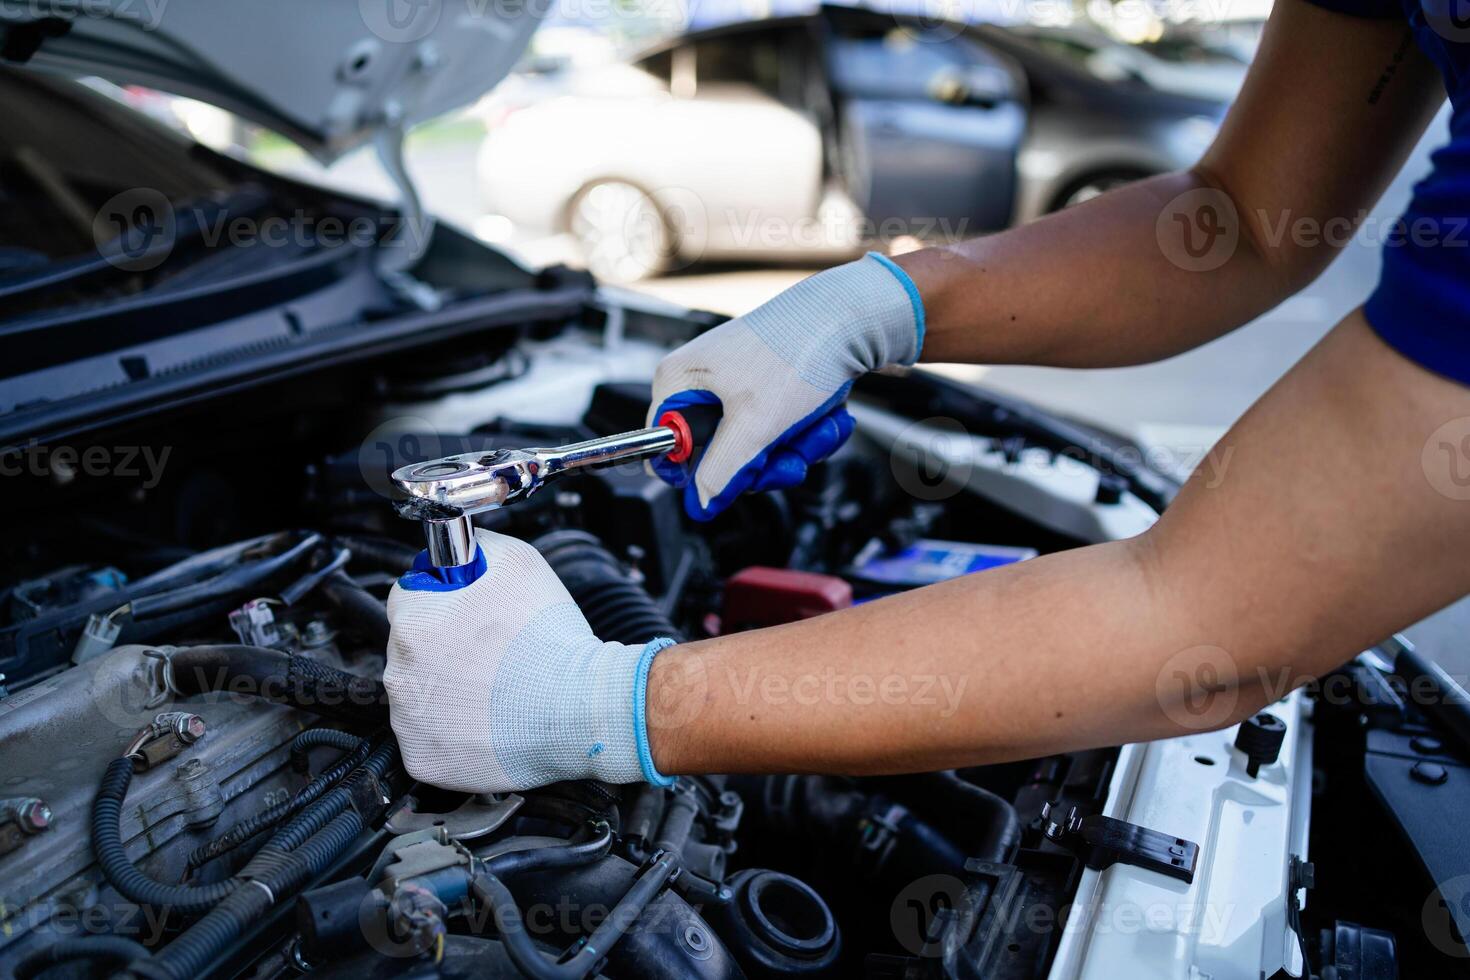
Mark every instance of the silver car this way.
pixel 822 135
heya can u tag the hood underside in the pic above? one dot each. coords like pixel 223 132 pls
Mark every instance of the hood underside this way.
pixel 328 73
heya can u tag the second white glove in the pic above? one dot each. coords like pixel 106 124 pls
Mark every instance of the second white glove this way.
pixel 500 685
pixel 781 374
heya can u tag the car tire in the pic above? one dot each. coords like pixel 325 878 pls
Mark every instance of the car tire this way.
pixel 1092 185
pixel 621 231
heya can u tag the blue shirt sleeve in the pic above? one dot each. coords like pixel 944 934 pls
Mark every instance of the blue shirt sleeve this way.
pixel 1377 9
pixel 1421 307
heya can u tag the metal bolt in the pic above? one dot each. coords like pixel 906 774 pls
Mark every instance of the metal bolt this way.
pixel 34 816
pixel 316 634
pixel 1429 773
pixel 695 939
pixel 189 729
pixel 1426 745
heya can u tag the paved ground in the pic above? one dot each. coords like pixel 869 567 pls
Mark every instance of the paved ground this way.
pixel 1184 402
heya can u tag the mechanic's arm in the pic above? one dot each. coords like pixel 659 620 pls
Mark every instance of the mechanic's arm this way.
pixel 1326 534
pixel 1330 110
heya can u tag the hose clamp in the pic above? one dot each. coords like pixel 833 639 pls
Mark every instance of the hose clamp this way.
pixel 270 896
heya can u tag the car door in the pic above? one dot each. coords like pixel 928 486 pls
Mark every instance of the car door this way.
pixel 928 129
pixel 748 139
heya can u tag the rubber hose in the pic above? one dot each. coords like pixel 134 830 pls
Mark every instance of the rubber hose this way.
pixel 78 948
pixel 130 882
pixel 532 962
pixel 254 826
pixel 382 553
pixel 678 822
pixel 229 582
pixel 314 738
pixel 364 613
pixel 548 858
pixel 280 873
pixel 979 819
pixel 1001 835
pixel 280 678
pixel 313 818
pixel 616 605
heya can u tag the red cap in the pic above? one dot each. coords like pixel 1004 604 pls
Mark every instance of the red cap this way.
pixel 683 438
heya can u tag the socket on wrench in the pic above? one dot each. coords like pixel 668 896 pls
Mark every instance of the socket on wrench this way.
pixel 443 493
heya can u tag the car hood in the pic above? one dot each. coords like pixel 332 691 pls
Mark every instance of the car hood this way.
pixel 328 73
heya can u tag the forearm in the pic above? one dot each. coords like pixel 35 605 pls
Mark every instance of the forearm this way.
pixel 1321 533
pixel 972 671
pixel 1090 286
pixel 1330 109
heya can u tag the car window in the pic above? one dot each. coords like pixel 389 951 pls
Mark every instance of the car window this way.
pixel 899 66
pixel 660 66
pixel 763 60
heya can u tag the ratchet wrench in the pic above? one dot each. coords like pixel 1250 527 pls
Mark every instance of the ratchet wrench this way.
pixel 443 493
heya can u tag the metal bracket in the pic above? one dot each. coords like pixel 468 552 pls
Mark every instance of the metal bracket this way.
pixel 415 228
pixel 475 817
pixel 1102 842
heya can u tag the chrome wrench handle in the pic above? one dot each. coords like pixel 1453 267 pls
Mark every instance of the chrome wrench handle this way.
pixel 443 493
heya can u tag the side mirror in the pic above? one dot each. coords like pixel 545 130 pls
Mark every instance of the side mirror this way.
pixel 978 85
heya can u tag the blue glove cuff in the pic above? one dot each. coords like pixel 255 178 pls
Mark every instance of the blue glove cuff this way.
pixel 425 576
pixel 640 718
pixel 914 298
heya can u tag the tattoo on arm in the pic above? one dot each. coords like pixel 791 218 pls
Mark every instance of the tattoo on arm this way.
pixel 1400 53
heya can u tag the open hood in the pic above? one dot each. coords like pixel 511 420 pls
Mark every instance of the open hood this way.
pixel 326 73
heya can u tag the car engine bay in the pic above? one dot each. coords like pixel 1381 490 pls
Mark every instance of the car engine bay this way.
pixel 198 767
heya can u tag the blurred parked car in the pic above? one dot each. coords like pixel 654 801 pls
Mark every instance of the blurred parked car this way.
pixel 1182 62
pixel 821 135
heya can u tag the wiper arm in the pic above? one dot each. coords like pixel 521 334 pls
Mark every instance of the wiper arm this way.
pixel 137 241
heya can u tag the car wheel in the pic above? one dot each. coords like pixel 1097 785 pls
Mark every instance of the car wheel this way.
pixel 621 232
pixel 1090 187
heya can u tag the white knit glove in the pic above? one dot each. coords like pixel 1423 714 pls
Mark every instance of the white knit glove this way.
pixel 499 685
pixel 781 374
